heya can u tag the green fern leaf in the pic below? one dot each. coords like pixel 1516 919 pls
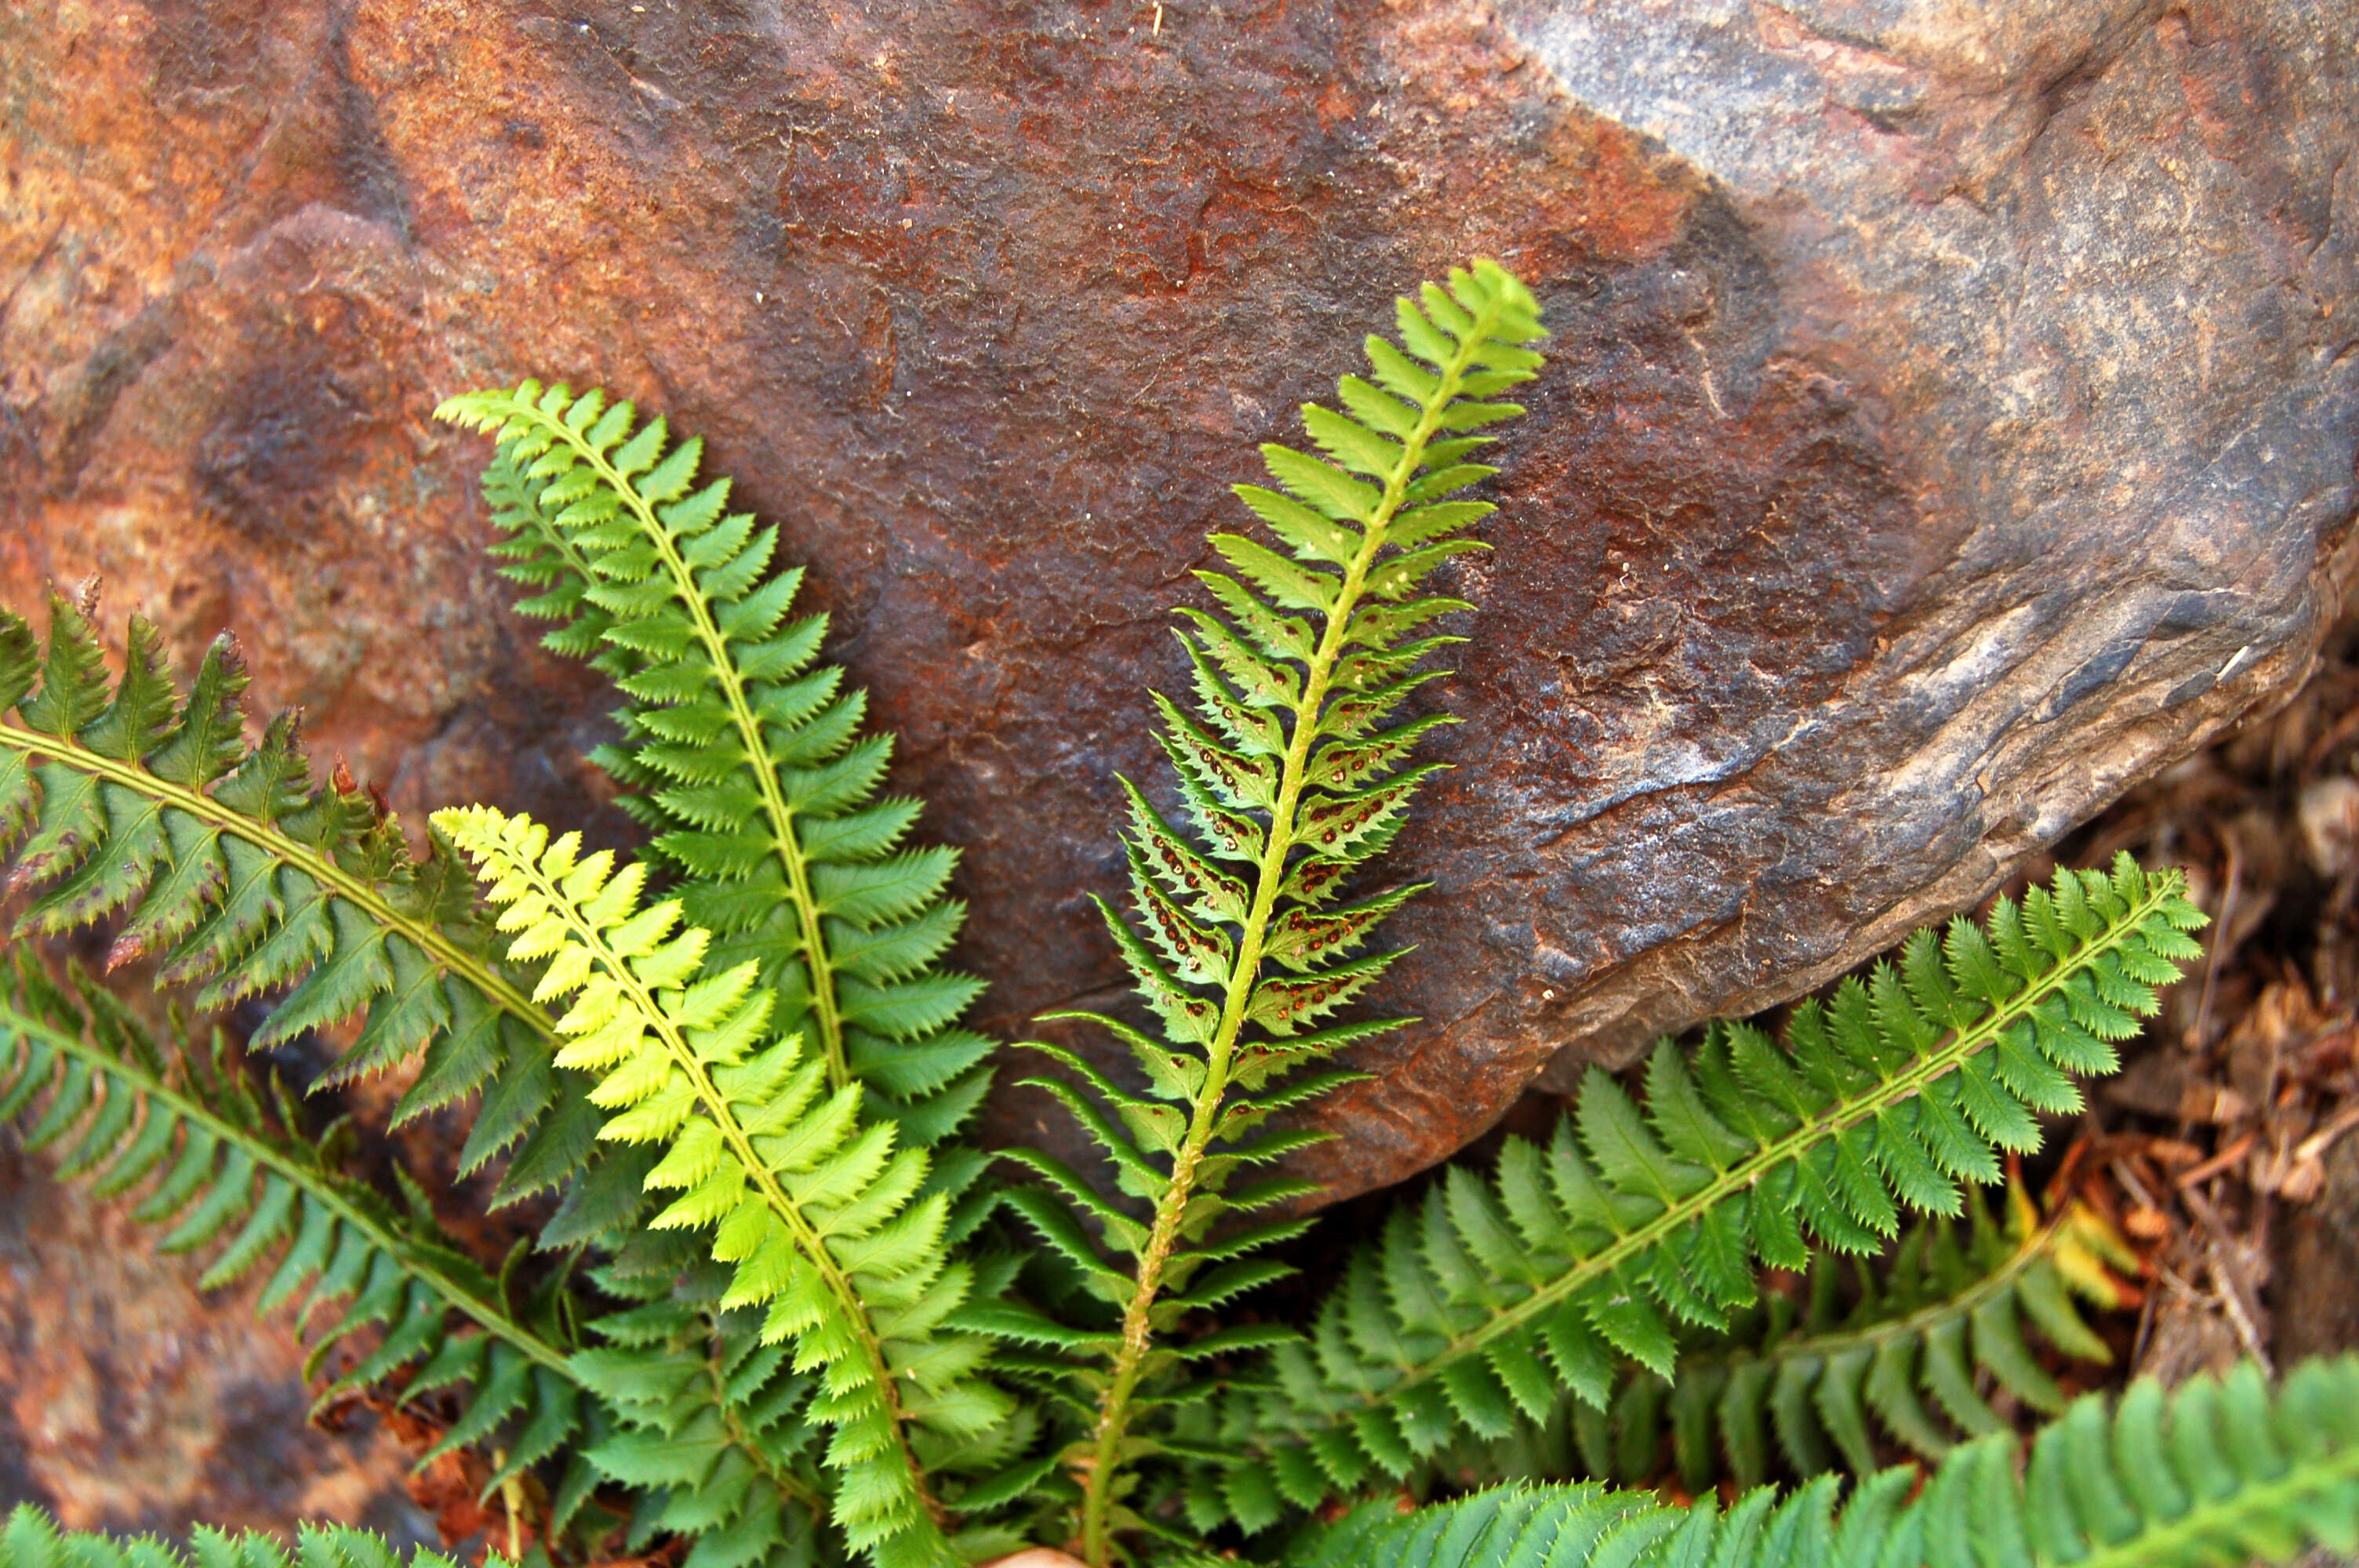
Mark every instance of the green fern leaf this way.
pixel 1631 1223
pixel 226 862
pixel 29 1540
pixel 1292 785
pixel 2215 1475
pixel 222 1166
pixel 1952 1298
pixel 743 756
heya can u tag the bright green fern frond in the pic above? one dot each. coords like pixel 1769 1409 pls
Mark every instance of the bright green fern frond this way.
pixel 223 1169
pixel 31 1539
pixel 1291 776
pixel 129 803
pixel 744 755
pixel 2215 1474
pixel 1481 1305
pixel 833 1228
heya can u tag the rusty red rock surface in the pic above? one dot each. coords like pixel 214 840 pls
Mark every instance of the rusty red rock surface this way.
pixel 1952 417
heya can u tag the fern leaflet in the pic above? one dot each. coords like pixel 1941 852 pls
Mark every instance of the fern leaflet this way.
pixel 839 1234
pixel 1296 776
pixel 236 871
pixel 2216 1474
pixel 741 753
pixel 228 1170
pixel 1482 1305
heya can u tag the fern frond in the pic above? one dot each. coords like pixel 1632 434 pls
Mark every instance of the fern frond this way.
pixel 31 1539
pixel 833 1228
pixel 2216 1474
pixel 226 1171
pixel 1293 774
pixel 1481 1305
pixel 1815 1383
pixel 129 800
pixel 710 1424
pixel 741 753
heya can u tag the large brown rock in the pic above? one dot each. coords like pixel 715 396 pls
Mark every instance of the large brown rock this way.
pixel 1951 419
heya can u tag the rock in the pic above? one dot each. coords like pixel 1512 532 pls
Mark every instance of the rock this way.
pixel 130 1400
pixel 1952 418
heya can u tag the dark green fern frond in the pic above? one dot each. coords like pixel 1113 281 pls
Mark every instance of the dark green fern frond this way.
pixel 741 753
pixel 710 1419
pixel 2215 1474
pixel 128 801
pixel 835 1229
pixel 30 1539
pixel 225 1169
pixel 1812 1383
pixel 1292 775
pixel 1484 1304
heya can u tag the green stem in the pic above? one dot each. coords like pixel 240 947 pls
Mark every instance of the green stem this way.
pixel 758 1171
pixel 321 1186
pixel 781 816
pixel 323 868
pixel 1171 1209
pixel 1734 1181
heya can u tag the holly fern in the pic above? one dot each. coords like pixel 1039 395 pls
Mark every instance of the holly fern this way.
pixel 1297 775
pixel 784 1324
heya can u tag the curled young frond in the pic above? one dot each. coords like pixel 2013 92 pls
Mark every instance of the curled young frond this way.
pixel 834 1228
pixel 1493 1296
pixel 225 1167
pixel 741 751
pixel 2215 1474
pixel 131 801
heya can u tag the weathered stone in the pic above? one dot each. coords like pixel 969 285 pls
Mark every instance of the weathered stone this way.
pixel 1951 416
pixel 129 1400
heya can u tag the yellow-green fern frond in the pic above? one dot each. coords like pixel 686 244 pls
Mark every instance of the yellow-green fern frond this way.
pixel 833 1226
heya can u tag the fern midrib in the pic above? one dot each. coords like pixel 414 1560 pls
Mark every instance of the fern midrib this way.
pixel 264 1152
pixel 1727 1183
pixel 320 868
pixel 1114 1411
pixel 749 735
pixel 2270 1501
pixel 741 1147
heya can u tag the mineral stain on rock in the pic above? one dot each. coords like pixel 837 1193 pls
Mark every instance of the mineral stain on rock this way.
pixel 1951 416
